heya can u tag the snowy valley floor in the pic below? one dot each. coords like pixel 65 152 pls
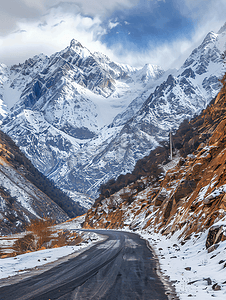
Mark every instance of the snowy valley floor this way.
pixel 194 272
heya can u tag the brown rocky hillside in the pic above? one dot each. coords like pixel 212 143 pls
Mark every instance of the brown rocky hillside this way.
pixel 191 193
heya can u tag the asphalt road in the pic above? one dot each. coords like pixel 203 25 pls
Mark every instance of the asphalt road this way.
pixel 120 268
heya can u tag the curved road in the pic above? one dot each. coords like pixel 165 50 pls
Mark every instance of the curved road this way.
pixel 119 268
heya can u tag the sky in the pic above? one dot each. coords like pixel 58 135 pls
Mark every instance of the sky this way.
pixel 135 32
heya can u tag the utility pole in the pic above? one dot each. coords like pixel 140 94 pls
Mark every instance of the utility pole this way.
pixel 171 146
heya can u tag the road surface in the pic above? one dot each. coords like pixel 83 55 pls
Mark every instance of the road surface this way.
pixel 120 268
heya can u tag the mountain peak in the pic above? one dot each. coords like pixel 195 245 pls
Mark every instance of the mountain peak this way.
pixel 150 72
pixel 75 43
pixel 210 38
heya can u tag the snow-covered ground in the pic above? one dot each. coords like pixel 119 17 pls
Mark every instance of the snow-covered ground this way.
pixel 190 267
pixel 23 263
pixel 194 272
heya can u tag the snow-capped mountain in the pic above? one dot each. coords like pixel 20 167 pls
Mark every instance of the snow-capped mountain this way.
pixel 183 94
pixel 83 119
pixel 63 105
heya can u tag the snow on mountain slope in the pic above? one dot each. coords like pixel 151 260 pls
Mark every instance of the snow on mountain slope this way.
pixel 83 119
pixel 20 199
pixel 184 94
pixel 137 103
pixel 3 79
pixel 15 79
pixel 180 96
pixel 27 194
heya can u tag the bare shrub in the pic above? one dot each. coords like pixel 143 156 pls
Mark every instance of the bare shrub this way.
pixel 128 197
pixel 42 230
pixel 24 244
pixel 1 252
pixel 77 240
pixel 41 235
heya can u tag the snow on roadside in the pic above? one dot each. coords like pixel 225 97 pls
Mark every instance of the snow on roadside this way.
pixel 22 263
pixel 190 267
pixel 17 265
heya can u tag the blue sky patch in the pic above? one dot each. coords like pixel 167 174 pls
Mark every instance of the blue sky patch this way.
pixel 148 25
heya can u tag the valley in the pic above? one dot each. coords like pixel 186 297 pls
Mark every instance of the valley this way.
pixel 85 146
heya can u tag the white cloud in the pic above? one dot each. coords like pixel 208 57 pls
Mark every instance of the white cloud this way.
pixel 97 7
pixel 167 55
pixel 209 14
pixel 52 33
pixel 112 24
pixel 37 4
pixel 54 30
pixel 13 11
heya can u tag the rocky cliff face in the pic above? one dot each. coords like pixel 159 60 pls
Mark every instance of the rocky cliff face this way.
pixel 83 119
pixel 190 196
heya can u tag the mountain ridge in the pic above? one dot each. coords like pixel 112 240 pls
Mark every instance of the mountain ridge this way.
pixel 40 112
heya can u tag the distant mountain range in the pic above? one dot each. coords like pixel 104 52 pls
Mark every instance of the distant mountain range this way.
pixel 83 119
